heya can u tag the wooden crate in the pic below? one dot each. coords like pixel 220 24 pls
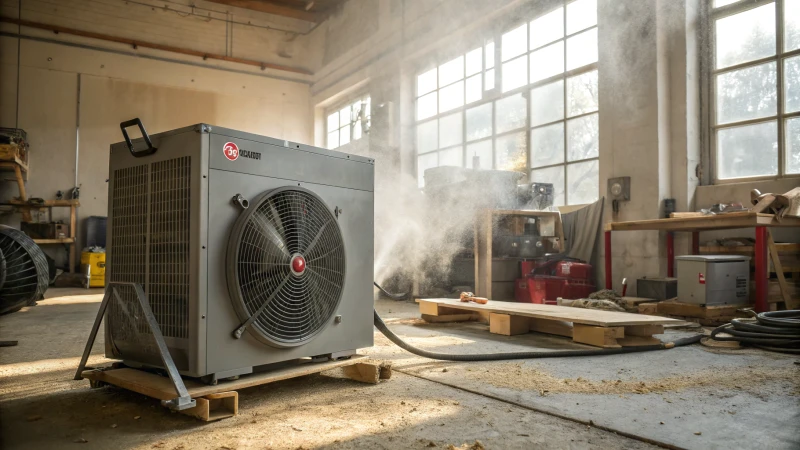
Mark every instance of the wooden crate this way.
pixel 607 329
pixel 14 153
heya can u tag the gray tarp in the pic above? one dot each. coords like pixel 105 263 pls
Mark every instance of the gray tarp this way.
pixel 580 230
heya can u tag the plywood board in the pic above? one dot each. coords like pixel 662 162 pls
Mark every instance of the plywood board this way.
pixel 552 312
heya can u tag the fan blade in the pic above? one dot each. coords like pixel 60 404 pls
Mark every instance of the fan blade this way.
pixel 270 233
pixel 237 333
pixel 314 241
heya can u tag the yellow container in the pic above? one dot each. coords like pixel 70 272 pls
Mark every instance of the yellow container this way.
pixel 97 268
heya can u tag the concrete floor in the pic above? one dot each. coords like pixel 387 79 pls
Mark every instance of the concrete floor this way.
pixel 733 398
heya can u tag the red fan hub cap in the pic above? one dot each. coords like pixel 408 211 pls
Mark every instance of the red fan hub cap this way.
pixel 298 265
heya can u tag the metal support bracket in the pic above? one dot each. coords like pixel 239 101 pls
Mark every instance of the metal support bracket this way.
pixel 183 400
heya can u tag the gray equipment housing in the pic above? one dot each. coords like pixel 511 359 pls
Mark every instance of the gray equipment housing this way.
pixel 170 216
pixel 713 279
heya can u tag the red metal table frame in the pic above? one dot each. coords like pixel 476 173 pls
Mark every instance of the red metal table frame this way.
pixel 697 224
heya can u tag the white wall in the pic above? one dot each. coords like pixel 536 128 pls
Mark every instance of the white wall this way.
pixel 117 83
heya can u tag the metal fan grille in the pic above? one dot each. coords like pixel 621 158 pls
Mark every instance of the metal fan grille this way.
pixel 27 274
pixel 269 240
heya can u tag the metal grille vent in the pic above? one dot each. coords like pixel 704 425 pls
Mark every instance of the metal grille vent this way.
pixel 150 245
pixel 25 272
pixel 168 286
pixel 286 266
pixel 127 260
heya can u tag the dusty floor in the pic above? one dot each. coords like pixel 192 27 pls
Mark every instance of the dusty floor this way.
pixel 734 399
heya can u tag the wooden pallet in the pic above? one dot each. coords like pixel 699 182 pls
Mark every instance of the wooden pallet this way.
pixel 222 400
pixel 607 329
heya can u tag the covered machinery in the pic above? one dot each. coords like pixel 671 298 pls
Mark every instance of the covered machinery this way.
pixel 251 250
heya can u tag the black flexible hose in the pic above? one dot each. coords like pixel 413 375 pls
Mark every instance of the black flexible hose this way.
pixel 777 331
pixel 381 326
pixel 397 297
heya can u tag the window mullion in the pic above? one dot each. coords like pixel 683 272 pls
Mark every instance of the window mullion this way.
pixel 779 88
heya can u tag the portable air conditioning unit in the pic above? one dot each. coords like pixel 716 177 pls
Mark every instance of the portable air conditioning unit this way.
pixel 251 250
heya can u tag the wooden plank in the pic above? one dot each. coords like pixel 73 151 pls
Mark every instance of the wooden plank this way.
pixel 553 312
pixel 605 337
pixel 776 262
pixel 508 325
pixel 449 318
pixel 161 388
pixel 637 341
pixel 556 327
pixel 704 312
pixel 215 406
pixel 680 215
pixel 54 241
pixel 366 372
pixel 46 203
pixel 744 219
pixel 648 308
pixel 643 330
pixel 432 309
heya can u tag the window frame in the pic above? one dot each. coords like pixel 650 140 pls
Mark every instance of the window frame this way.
pixel 496 94
pixel 336 108
pixel 710 74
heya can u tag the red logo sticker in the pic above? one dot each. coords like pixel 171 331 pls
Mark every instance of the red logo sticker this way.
pixel 231 151
pixel 701 278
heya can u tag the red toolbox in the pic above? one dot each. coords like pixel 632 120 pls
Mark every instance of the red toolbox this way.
pixel 545 281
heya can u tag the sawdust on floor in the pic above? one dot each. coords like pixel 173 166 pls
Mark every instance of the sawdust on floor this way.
pixel 517 376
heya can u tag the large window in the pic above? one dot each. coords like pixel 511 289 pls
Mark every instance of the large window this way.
pixel 755 85
pixel 348 123
pixel 539 114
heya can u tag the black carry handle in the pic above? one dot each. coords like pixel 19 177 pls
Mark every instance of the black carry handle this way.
pixel 129 123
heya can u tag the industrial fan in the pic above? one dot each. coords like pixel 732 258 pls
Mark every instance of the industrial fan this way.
pixel 25 273
pixel 251 250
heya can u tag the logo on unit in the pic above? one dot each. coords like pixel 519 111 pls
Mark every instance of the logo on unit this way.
pixel 232 152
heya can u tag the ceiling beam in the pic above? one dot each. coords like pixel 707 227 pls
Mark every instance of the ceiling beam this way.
pixel 272 8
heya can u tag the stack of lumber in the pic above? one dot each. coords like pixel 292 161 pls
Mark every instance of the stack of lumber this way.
pixel 607 329
pixel 704 315
pixel 782 205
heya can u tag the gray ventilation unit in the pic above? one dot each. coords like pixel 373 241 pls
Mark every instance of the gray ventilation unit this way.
pixel 251 250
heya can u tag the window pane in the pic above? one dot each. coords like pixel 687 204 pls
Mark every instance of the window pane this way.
pixel 425 162
pixel 357 130
pixel 488 82
pixel 581 14
pixel 582 142
pixel 791 14
pixel 582 94
pixel 356 110
pixel 427 136
pixel 451 97
pixel 344 135
pixel 515 42
pixel 747 93
pixel 547 145
pixel 515 73
pixel 554 175
pixel 426 106
pixel 451 71
pixel 479 122
pixel 583 180
pixel 547 103
pixel 451 157
pixel 746 36
pixel 344 116
pixel 367 103
pixel 791 74
pixel 510 153
pixel 483 151
pixel 474 88
pixel 747 151
pixel 511 113
pixel 474 61
pixel 426 82
pixel 450 130
pixel 333 139
pixel 333 121
pixel 793 145
pixel 582 49
pixel 547 28
pixel 547 62
pixel 489 55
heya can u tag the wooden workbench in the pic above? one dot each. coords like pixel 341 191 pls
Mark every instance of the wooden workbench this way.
pixel 695 224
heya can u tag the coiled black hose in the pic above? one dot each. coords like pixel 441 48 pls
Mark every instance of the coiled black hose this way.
pixel 397 297
pixel 777 331
pixel 381 326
